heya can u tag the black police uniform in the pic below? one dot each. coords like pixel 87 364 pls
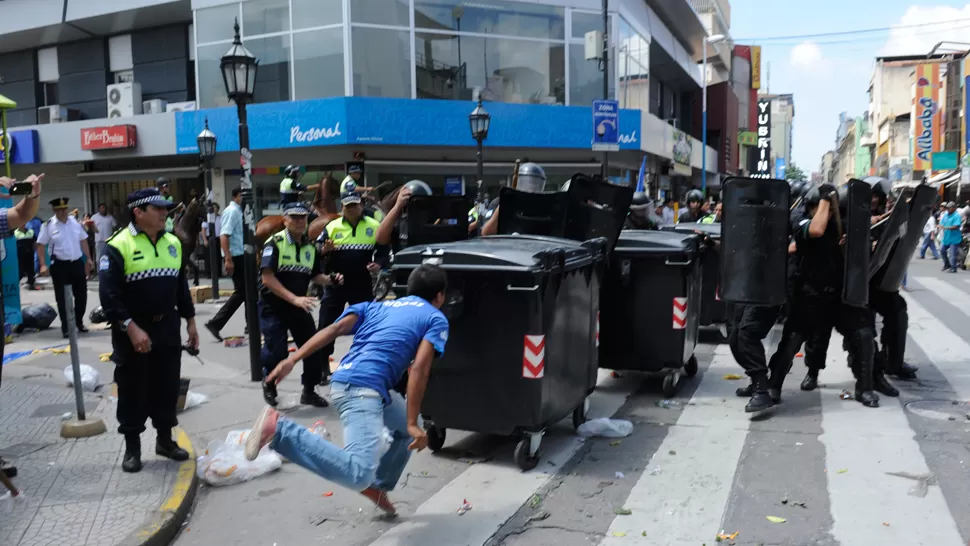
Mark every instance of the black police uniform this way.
pixel 353 249
pixel 688 215
pixel 294 263
pixel 141 281
pixel 633 222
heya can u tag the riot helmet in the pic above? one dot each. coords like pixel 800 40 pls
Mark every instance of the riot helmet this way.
pixel 640 200
pixel 98 316
pixel 292 171
pixel 797 189
pixel 812 196
pixel 880 186
pixel 531 178
pixel 418 187
pixel 695 195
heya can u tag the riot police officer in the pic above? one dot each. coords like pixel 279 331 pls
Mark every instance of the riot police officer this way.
pixel 288 265
pixel 144 294
pixel 349 244
pixel 531 178
pixel 393 228
pixel 817 304
pixel 693 211
pixel 642 214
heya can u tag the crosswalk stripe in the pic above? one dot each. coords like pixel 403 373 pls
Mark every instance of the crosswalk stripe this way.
pixel 947 350
pixel 861 445
pixel 950 293
pixel 685 500
pixel 497 490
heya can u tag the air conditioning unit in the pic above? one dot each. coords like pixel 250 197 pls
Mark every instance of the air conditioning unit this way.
pixel 52 114
pixel 124 100
pixel 181 106
pixel 154 106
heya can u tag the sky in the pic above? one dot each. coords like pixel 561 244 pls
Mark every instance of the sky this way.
pixel 831 74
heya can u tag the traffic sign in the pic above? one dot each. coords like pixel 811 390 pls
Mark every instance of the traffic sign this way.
pixel 606 126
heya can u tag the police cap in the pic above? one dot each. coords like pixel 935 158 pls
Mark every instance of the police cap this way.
pixel 146 197
pixel 59 203
pixel 295 209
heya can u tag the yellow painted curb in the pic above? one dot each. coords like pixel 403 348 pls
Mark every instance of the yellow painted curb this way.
pixel 161 528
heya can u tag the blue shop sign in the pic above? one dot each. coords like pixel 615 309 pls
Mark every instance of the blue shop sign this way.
pixel 398 122
pixel 24 147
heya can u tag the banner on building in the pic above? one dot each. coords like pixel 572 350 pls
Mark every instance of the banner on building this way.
pixel 926 123
pixel 761 158
pixel 755 67
pixel 682 150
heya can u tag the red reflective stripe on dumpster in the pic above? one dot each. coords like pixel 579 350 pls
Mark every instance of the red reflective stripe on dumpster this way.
pixel 680 313
pixel 534 357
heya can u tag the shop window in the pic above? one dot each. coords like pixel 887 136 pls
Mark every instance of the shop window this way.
pixel 215 24
pixel 265 17
pixel 507 70
pixel 273 76
pixel 317 13
pixel 318 64
pixel 381 12
pixel 585 78
pixel 382 64
pixel 499 17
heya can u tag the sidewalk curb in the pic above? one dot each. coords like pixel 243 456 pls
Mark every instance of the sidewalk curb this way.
pixel 161 528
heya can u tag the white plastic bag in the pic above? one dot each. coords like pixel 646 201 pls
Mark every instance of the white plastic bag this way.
pixel 608 428
pixel 90 378
pixel 224 463
pixel 193 399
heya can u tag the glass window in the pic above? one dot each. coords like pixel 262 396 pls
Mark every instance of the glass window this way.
pixel 265 17
pixel 586 22
pixel 381 12
pixel 273 75
pixel 382 62
pixel 519 71
pixel 319 64
pixel 494 17
pixel 585 78
pixel 215 24
pixel 212 90
pixel 317 13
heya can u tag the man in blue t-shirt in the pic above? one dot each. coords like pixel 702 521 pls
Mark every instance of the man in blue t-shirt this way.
pixel 950 225
pixel 388 335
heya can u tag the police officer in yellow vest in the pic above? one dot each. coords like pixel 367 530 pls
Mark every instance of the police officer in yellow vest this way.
pixel 164 188
pixel 713 217
pixel 349 245
pixel 290 187
pixel 25 254
pixel 144 296
pixel 288 265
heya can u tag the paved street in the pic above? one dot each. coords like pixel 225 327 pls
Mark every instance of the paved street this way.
pixel 838 473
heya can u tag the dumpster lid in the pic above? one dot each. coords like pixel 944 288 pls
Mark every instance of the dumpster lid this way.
pixel 530 213
pixel 596 209
pixel 711 230
pixel 648 242
pixel 521 253
pixel 437 218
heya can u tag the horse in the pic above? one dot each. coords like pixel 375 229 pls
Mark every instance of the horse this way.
pixel 187 229
pixel 324 204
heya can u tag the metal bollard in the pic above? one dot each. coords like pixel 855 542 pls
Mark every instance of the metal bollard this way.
pixel 75 356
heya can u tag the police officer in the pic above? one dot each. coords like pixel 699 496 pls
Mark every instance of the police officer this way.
pixel 349 246
pixel 25 253
pixel 714 217
pixel 394 227
pixel 164 188
pixel 817 304
pixel 532 178
pixel 290 187
pixel 693 211
pixel 642 215
pixel 288 265
pixel 351 182
pixel 144 294
pixel 68 244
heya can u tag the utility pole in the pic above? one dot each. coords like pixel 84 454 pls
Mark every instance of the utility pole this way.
pixel 606 75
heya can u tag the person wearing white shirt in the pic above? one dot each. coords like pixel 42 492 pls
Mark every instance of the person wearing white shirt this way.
pixel 64 240
pixel 105 224
pixel 929 234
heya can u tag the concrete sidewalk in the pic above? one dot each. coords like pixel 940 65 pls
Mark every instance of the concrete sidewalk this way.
pixel 75 492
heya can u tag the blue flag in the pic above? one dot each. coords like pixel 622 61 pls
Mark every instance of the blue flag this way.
pixel 643 168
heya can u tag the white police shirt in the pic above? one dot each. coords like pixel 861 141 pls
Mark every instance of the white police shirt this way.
pixel 63 240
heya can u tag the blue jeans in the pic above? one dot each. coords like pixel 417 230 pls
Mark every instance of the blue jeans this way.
pixel 951 256
pixel 930 243
pixel 358 465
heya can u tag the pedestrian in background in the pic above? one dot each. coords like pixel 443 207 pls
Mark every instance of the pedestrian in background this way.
pixel 231 239
pixel 64 240
pixel 950 224
pixel 106 225
pixel 929 232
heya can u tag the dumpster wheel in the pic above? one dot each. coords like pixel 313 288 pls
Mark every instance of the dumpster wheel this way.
pixel 670 384
pixel 523 458
pixel 436 438
pixel 690 367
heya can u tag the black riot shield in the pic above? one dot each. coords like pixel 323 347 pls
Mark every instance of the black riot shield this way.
pixel 437 219
pixel 887 232
pixel 754 241
pixel 855 225
pixel 530 213
pixel 596 209
pixel 920 203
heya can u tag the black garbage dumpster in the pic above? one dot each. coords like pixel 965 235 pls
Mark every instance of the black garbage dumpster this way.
pixel 713 310
pixel 649 305
pixel 521 354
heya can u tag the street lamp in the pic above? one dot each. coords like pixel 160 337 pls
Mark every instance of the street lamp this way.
pixel 238 67
pixel 207 151
pixel 479 121
pixel 717 38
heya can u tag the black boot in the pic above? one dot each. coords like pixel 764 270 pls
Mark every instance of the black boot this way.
pixel 810 383
pixel 882 385
pixel 269 393
pixel 760 400
pixel 311 398
pixel 903 371
pixel 863 345
pixel 781 362
pixel 132 460
pixel 745 392
pixel 166 447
